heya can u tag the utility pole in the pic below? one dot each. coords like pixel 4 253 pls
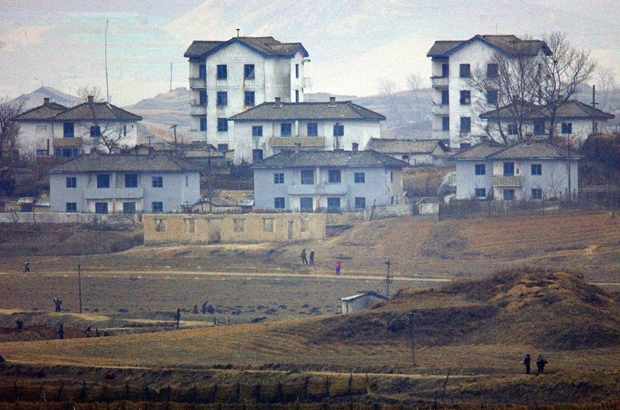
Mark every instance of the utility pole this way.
pixel 80 286
pixel 388 278
pixel 412 335
pixel 594 104
pixel 174 128
pixel 170 76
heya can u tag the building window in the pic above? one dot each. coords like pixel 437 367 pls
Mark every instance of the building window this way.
pixel 239 225
pixel 509 194
pixel 278 178
pixel 296 96
pixel 536 169
pixel 222 147
pixel 160 225
pixel 360 202
pixel 158 182
pixel 306 204
pixel 71 207
pixel 465 97
pixel 66 152
pixel 103 180
pixel 405 157
pixel 338 130
pixel 492 70
pixel 101 207
pixel 257 130
pixel 129 207
pixel 465 71
pixel 539 127
pixel 307 177
pixel 222 72
pixel 567 128
pixel 313 129
pixel 222 98
pixel 334 176
pixel 536 193
pixel 481 193
pixel 445 97
pixel 360 177
pixel 157 207
pixel 190 225
pixel 203 123
pixel 445 123
pixel 465 124
pixel 333 205
pixel 480 169
pixel 286 129
pixel 202 71
pixel 278 203
pixel 509 169
pixel 296 70
pixel 68 130
pixel 131 180
pixel 248 71
pixel 202 96
pixel 268 224
pixel 257 155
pixel 222 125
pixel 492 97
pixel 95 131
pixel 249 98
pixel 42 153
pixel 512 129
pixel 445 70
pixel 71 182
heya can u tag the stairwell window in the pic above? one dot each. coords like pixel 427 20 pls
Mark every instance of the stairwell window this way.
pixel 222 125
pixel 257 130
pixel 248 71
pixel 480 169
pixel 465 125
pixel 95 131
pixel 465 97
pixel 222 98
pixel 222 72
pixel 158 182
pixel 465 71
pixel 492 70
pixel 249 98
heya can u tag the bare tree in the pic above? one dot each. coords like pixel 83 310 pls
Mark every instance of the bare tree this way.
pixel 85 92
pixel 388 88
pixel 414 84
pixel 607 85
pixel 9 129
pixel 562 74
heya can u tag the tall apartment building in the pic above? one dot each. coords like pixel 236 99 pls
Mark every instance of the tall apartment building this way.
pixel 456 105
pixel 228 77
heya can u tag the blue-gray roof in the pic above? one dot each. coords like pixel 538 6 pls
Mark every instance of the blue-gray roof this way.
pixel 265 46
pixel 124 163
pixel 506 44
pixel 531 149
pixel 338 158
pixel 338 110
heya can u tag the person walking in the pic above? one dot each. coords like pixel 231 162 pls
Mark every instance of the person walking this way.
pixel 527 362
pixel 304 261
pixel 338 268
pixel 27 266
pixel 312 257
pixel 540 364
pixel 57 304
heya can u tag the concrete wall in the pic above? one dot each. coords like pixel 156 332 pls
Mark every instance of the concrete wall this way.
pixel 69 218
pixel 239 228
pixel 386 211
pixel 360 303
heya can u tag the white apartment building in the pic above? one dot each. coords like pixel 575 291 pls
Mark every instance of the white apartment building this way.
pixel 456 104
pixel 229 77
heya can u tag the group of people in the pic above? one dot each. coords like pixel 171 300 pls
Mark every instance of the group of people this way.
pixel 540 364
pixel 304 260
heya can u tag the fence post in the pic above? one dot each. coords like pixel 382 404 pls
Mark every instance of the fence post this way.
pixel 327 386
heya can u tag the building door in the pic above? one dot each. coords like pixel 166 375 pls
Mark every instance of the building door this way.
pixel 290 229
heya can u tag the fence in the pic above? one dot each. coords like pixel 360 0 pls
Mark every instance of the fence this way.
pixel 69 218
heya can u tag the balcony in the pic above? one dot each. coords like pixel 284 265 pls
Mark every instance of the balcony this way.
pixel 67 142
pixel 195 108
pixel 321 189
pixel 113 193
pixel 440 109
pixel 502 181
pixel 284 142
pixel 440 82
pixel 198 83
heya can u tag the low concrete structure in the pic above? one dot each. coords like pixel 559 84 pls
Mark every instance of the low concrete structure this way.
pixel 361 301
pixel 234 228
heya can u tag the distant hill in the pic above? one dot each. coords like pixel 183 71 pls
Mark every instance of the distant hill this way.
pixel 35 98
pixel 165 109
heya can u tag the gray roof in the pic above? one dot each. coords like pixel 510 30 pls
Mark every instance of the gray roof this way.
pixel 42 112
pixel 532 149
pixel 405 146
pixel 339 159
pixel 87 111
pixel 266 46
pixel 507 44
pixel 339 110
pixel 571 110
pixel 361 295
pixel 129 163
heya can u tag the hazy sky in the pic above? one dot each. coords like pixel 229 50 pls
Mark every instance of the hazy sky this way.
pixel 353 44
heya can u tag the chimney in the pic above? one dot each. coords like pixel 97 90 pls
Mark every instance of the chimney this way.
pixel 46 100
pixel 277 103
pixel 332 101
pixel 297 146
pixel 238 32
pixel 91 98
pixel 355 147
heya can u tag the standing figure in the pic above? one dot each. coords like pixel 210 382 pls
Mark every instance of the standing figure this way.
pixel 304 261
pixel 177 317
pixel 27 266
pixel 540 364
pixel 312 257
pixel 57 304
pixel 20 324
pixel 527 361
pixel 204 307
pixel 337 268
pixel 61 331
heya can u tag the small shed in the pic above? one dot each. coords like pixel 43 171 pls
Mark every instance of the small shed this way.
pixel 361 301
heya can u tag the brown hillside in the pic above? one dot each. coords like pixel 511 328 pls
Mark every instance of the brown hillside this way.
pixel 556 311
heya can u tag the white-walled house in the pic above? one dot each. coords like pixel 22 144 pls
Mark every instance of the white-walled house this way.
pixel 414 152
pixel 456 105
pixel 99 183
pixel 336 181
pixel 228 77
pixel 528 170
pixel 272 127
pixel 574 121
pixel 54 130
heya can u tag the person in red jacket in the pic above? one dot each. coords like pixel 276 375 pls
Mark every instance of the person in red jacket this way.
pixel 338 268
